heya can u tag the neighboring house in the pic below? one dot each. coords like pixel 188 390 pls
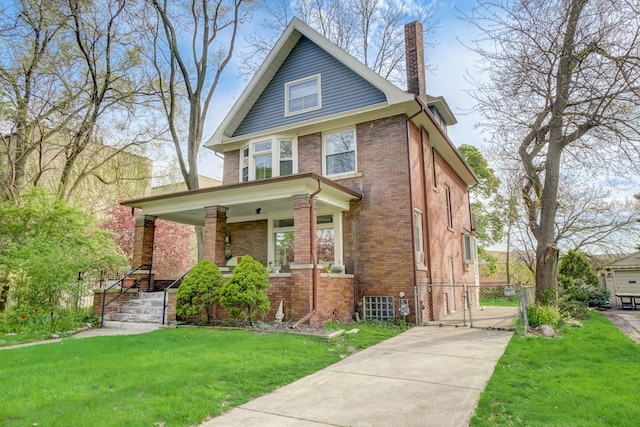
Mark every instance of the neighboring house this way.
pixel 101 177
pixel 622 277
pixel 174 187
pixel 347 187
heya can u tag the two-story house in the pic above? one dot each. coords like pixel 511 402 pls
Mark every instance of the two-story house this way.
pixel 345 186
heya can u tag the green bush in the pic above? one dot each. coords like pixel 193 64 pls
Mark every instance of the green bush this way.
pixel 598 297
pixel 199 291
pixel 59 320
pixel 541 314
pixel 44 243
pixel 244 295
pixel 570 307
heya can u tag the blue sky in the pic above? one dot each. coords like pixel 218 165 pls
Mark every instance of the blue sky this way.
pixel 450 61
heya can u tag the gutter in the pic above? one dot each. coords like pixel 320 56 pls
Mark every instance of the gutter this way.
pixel 313 253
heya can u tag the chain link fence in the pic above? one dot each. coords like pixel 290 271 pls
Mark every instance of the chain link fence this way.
pixel 476 306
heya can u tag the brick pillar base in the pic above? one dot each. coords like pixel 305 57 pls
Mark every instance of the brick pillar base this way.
pixel 300 294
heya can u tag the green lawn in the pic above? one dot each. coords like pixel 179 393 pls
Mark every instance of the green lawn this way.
pixel 499 302
pixel 173 377
pixel 584 377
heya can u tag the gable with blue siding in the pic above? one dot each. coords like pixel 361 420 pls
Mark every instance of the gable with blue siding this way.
pixel 342 89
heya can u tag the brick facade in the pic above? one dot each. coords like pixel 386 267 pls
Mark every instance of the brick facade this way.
pixel 143 240
pixel 398 173
pixel 215 231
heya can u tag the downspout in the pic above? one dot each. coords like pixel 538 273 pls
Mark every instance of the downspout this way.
pixel 314 274
pixel 427 252
pixel 413 237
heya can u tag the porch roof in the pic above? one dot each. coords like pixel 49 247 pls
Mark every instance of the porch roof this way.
pixel 247 201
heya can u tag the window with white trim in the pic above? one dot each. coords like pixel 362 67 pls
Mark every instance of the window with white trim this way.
pixel 469 248
pixel 283 240
pixel 302 95
pixel 339 152
pixel 379 308
pixel 268 157
pixel 418 243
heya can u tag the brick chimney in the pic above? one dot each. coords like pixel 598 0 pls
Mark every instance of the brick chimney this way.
pixel 414 54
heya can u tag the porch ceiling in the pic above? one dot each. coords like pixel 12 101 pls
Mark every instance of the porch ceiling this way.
pixel 247 201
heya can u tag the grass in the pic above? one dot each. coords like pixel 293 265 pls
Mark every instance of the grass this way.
pixel 499 302
pixel 585 376
pixel 12 338
pixel 174 377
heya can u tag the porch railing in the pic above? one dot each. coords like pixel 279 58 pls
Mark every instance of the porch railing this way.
pixel 123 289
pixel 165 303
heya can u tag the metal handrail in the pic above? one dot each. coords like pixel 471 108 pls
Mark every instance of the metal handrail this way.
pixel 165 304
pixel 122 288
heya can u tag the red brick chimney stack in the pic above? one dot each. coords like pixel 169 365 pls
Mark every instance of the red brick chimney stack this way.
pixel 414 53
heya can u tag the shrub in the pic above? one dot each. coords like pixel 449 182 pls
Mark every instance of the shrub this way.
pixel 199 291
pixel 541 314
pixel 598 297
pixel 244 295
pixel 570 307
pixel 44 243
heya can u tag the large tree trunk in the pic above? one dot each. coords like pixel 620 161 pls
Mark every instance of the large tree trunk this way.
pixel 547 249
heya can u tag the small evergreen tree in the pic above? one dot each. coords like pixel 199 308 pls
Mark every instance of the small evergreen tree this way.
pixel 580 282
pixel 244 295
pixel 575 269
pixel 199 291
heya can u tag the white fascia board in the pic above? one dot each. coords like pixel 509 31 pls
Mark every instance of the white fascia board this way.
pixel 445 148
pixel 241 194
pixel 320 124
pixel 443 109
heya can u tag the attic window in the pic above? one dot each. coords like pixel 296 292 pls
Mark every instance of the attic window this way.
pixel 302 95
pixel 438 117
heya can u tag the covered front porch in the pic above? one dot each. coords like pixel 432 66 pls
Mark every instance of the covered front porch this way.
pixel 293 225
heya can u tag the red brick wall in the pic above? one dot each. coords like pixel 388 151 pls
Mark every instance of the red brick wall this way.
pixel 378 245
pixel 249 238
pixel 214 234
pixel 310 153
pixel 446 242
pixel 377 231
pixel 143 240
pixel 231 168
pixel 336 300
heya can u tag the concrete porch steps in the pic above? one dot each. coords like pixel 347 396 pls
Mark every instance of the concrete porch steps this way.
pixel 147 309
pixel 112 324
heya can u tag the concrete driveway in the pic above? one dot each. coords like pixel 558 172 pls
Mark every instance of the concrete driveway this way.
pixel 427 376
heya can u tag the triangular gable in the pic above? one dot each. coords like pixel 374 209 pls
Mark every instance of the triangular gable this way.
pixel 342 89
pixel 630 261
pixel 278 55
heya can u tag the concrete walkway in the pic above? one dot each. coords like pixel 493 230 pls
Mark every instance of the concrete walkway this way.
pixel 427 376
pixel 97 332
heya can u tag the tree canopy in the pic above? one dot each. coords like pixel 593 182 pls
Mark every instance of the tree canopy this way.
pixel 561 90
pixel 173 252
pixel 370 30
pixel 49 251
